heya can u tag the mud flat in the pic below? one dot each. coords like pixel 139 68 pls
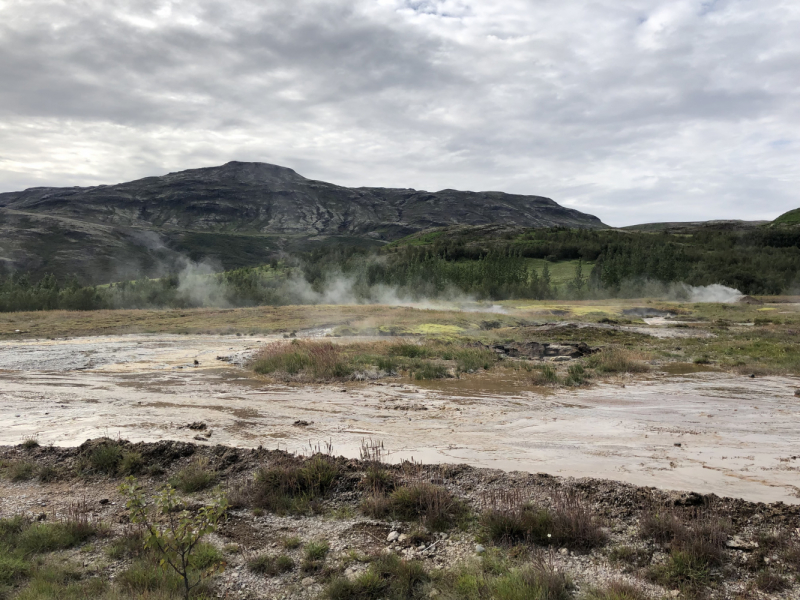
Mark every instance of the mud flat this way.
pixel 705 431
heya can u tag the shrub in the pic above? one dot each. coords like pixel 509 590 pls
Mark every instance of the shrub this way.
pixel 195 477
pixel 318 361
pixel 544 374
pixel 132 463
pixel 270 566
pixel 569 523
pixel 661 526
pixel 289 486
pixel 377 479
pixel 387 577
pixel 576 375
pixel 12 569
pixel 427 369
pixel 30 443
pixel 771 583
pixel 433 504
pixel 105 458
pixel 21 470
pixel 47 474
pixel 409 350
pixel 617 360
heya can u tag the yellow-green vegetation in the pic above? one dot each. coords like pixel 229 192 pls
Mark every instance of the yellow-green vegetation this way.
pixel 304 360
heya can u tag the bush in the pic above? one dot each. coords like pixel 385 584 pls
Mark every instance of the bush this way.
pixel 432 504
pixel 132 463
pixel 47 474
pixel 299 359
pixel 314 556
pixel 617 360
pixel 544 374
pixel 21 470
pixel 12 569
pixel 270 566
pixel 771 583
pixel 427 369
pixel 105 458
pixel 387 577
pixel 378 480
pixel 195 477
pixel 569 523
pixel 289 486
pixel 30 443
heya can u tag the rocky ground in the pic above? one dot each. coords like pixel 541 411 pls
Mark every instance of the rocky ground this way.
pixel 758 551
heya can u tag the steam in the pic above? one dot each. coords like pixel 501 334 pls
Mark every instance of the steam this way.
pixel 197 283
pixel 713 293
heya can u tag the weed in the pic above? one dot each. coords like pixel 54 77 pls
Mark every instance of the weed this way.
pixel 388 576
pixel 195 477
pixel 30 443
pixel 771 583
pixel 576 375
pixel 21 470
pixel 314 556
pixel 378 479
pixel 433 504
pixel 132 463
pixel 617 590
pixel 569 523
pixel 146 579
pixel 661 526
pixel 318 361
pixel 427 369
pixel 48 474
pixel 289 486
pixel 47 537
pixel 544 374
pixel 617 360
pixel 12 568
pixel 105 458
pixel 629 555
pixel 270 566
pixel 128 545
pixel 291 543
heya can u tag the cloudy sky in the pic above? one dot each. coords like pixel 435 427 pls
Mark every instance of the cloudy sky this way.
pixel 633 110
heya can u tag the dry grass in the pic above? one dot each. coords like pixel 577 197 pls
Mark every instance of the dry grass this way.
pixel 431 504
pixel 619 360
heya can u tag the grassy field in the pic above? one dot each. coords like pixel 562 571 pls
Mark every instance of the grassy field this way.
pixel 747 338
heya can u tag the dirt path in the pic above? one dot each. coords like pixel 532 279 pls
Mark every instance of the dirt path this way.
pixel 706 432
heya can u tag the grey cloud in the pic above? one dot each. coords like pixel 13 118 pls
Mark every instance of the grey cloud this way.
pixel 636 111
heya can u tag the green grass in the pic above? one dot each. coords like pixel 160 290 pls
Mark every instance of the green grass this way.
pixel 289 486
pixel 314 556
pixel 195 477
pixel 432 504
pixel 271 566
pixel 790 218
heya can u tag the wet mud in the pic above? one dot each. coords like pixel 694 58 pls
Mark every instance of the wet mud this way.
pixel 691 429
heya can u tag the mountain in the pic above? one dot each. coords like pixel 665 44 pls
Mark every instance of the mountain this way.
pixel 238 214
pixel 689 226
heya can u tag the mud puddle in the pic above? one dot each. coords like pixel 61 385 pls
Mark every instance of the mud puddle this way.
pixel 702 431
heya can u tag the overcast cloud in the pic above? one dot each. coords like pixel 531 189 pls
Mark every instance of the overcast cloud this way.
pixel 632 110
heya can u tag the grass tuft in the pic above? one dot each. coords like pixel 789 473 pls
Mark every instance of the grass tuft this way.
pixel 195 477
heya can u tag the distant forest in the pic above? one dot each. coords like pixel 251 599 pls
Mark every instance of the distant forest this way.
pixel 482 263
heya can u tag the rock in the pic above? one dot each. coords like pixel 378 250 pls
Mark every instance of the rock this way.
pixel 197 426
pixel 563 552
pixel 675 593
pixel 301 423
pixel 393 536
pixel 737 543
pixel 479 549
pixel 403 537
pixel 307 582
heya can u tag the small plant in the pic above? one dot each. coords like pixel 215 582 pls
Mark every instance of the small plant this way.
pixel 47 474
pixel 105 458
pixel 132 463
pixel 378 479
pixel 617 590
pixel 291 543
pixel 270 566
pixel 617 360
pixel 289 486
pixel 195 477
pixel 433 504
pixel 544 375
pixel 314 556
pixel 576 375
pixel 30 442
pixel 771 583
pixel 176 535
pixel 21 470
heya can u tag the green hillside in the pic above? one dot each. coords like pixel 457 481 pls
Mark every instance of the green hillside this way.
pixel 790 218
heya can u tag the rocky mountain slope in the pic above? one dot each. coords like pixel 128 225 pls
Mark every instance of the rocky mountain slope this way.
pixel 237 214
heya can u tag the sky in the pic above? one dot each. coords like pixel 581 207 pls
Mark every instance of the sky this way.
pixel 632 110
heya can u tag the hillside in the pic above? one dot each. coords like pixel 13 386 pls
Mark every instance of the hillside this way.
pixel 791 218
pixel 239 214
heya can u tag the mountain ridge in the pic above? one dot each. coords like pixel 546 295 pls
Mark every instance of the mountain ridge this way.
pixel 49 228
